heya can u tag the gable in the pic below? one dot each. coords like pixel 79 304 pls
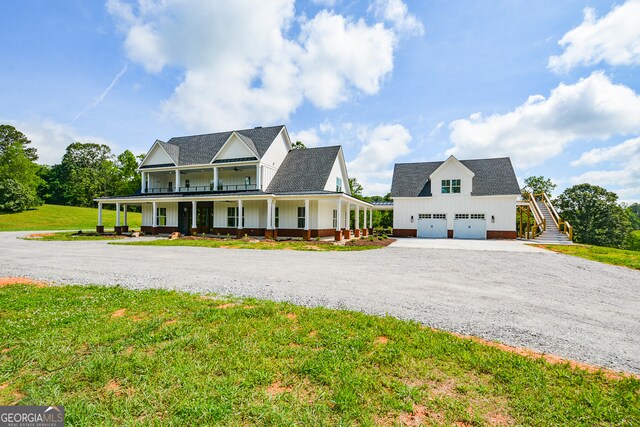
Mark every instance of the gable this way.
pixel 338 170
pixel 157 156
pixel 236 147
pixel 305 170
pixel 451 169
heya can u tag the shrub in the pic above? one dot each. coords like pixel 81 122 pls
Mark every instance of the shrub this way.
pixel 633 241
pixel 384 236
pixel 16 197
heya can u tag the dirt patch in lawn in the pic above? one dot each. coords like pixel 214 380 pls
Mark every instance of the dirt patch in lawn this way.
pixel 277 388
pixel 368 242
pixel 551 358
pixel 6 281
pixel 119 313
pixel 39 235
pixel 381 340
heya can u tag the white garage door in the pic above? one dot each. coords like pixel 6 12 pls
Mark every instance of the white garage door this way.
pixel 469 226
pixel 432 226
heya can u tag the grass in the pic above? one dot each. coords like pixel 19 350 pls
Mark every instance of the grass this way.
pixel 120 357
pixel 71 236
pixel 622 257
pixel 292 245
pixel 54 217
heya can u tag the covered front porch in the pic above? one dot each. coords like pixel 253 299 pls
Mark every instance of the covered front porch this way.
pixel 336 216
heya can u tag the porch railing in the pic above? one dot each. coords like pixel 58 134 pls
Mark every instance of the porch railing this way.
pixel 202 188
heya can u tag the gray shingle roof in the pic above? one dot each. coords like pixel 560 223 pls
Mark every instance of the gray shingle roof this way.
pixel 201 149
pixel 304 170
pixel 493 177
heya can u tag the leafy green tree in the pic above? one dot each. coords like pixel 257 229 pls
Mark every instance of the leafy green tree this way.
pixel 127 179
pixel 87 171
pixel 634 215
pixel 18 171
pixel 538 185
pixel 356 188
pixel 298 145
pixel 595 215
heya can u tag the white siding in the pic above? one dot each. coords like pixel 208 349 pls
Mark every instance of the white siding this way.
pixel 273 158
pixel 325 214
pixel 172 214
pixel 336 172
pixel 234 149
pixel 502 208
pixel 452 169
pixel 288 212
pixel 255 213
pixel 157 156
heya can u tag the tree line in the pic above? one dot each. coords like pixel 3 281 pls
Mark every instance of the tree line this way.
pixel 87 171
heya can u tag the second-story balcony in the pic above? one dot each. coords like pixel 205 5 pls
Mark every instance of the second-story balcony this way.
pixel 217 179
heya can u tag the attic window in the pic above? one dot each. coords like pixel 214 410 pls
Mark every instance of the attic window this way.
pixel 338 185
pixel 450 186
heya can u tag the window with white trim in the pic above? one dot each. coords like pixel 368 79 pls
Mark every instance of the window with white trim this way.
pixel 339 185
pixel 477 216
pixel 277 217
pixel 161 213
pixel 450 186
pixel 424 216
pixel 462 216
pixel 232 214
pixel 301 215
pixel 187 183
pixel 439 216
pixel 335 218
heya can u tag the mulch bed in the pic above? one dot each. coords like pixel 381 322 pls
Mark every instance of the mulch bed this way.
pixel 367 242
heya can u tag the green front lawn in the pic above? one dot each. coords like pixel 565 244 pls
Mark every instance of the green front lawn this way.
pixel 293 245
pixel 54 217
pixel 603 254
pixel 71 236
pixel 122 357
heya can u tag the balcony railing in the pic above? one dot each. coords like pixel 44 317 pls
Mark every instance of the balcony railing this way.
pixel 202 188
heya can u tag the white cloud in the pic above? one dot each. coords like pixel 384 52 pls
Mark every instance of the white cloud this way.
pixel 309 137
pixel 397 13
pixel 380 147
pixel 592 108
pixel 624 179
pixel 328 3
pixel 51 138
pixel 613 39
pixel 620 152
pixel 242 66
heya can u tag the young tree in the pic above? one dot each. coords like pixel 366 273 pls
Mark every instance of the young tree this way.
pixel 356 188
pixel 19 179
pixel 298 145
pixel 538 185
pixel 595 215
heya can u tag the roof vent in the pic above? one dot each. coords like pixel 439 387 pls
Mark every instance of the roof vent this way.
pixel 258 127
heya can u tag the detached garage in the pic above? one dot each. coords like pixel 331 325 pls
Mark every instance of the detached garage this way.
pixel 463 199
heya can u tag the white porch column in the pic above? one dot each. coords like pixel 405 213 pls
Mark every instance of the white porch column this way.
pixel 215 178
pixel 177 180
pixel 269 214
pixel 258 180
pixel 371 218
pixel 194 214
pixel 338 212
pixel 99 214
pixel 239 214
pixel 143 178
pixel 273 215
pixel 154 222
pixel 117 214
pixel 126 223
pixel 357 227
pixel 346 216
pixel 306 214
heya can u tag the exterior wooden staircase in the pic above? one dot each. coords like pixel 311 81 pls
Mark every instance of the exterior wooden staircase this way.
pixel 539 221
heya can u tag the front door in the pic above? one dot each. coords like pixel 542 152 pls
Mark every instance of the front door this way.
pixel 184 217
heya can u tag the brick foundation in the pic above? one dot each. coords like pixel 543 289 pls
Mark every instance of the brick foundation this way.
pixel 356 233
pixel 405 232
pixel 338 235
pixel 117 229
pixel 125 228
pixel 193 231
pixel 365 232
pixel 147 229
pixel 270 234
pixel 306 235
pixel 100 229
pixel 493 234
pixel 347 234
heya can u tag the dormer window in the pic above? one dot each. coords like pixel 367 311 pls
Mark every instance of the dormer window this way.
pixel 450 186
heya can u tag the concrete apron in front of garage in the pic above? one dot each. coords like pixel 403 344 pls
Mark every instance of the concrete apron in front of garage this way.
pixel 470 245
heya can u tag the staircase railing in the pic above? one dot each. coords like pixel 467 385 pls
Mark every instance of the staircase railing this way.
pixel 531 231
pixel 562 225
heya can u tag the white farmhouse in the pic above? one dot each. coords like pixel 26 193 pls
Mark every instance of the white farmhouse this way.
pixel 468 199
pixel 239 182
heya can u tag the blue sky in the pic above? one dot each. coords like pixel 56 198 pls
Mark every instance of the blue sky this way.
pixel 554 85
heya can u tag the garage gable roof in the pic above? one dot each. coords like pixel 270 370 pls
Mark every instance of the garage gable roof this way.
pixel 493 177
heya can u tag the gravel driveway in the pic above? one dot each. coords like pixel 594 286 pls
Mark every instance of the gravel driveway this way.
pixel 552 303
